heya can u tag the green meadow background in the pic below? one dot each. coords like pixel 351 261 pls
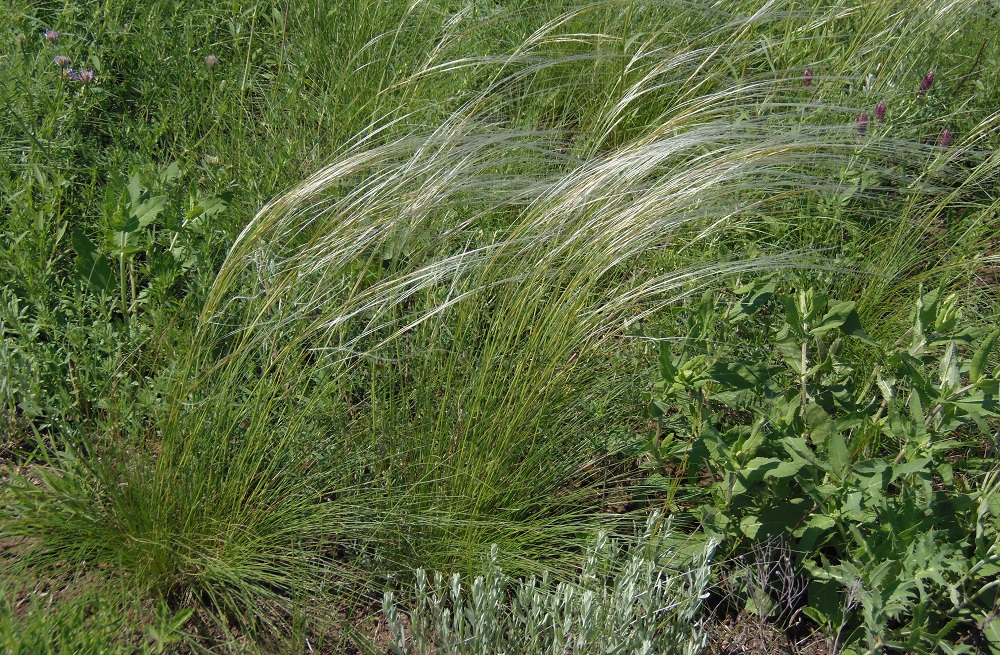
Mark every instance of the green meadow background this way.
pixel 300 297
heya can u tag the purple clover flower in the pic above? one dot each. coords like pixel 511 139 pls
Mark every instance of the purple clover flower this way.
pixel 926 84
pixel 807 77
pixel 62 61
pixel 86 76
pixel 880 112
pixel 945 139
pixel 862 124
pixel 51 36
pixel 211 61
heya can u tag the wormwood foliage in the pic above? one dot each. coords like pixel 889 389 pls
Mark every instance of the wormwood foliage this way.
pixel 630 600
pixel 870 471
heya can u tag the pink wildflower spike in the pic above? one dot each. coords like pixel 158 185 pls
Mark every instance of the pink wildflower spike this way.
pixel 880 112
pixel 945 139
pixel 807 77
pixel 862 124
pixel 926 84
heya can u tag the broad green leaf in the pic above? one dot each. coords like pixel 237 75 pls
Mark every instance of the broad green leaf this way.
pixel 778 521
pixel 215 204
pixel 798 449
pixel 750 526
pixel 908 468
pixel 741 375
pixel 821 425
pixel 790 348
pixel 147 211
pixel 170 173
pixel 927 308
pixel 135 190
pixel 205 208
pixel 657 408
pixel 819 521
pixel 793 319
pixel 991 631
pixel 887 387
pixel 948 368
pixel 810 531
pixel 762 468
pixel 835 317
pixel 756 296
pixel 718 449
pixel 989 386
pixel 982 356
pixel 666 359
pixel 917 419
pixel 840 458
pixel 91 267
pixel 122 243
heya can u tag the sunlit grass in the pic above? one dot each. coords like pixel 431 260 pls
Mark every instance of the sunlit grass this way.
pixel 387 370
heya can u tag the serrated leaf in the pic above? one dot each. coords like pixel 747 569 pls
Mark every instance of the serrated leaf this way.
pixel 810 532
pixel 91 267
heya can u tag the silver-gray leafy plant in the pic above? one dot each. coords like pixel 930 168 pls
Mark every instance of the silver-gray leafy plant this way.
pixel 625 600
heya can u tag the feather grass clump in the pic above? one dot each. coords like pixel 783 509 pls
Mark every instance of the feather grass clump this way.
pixel 389 366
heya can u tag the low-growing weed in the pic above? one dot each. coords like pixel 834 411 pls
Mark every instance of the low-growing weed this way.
pixel 637 599
pixel 869 459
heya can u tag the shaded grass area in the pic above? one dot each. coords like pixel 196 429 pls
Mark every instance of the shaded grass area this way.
pixel 409 331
